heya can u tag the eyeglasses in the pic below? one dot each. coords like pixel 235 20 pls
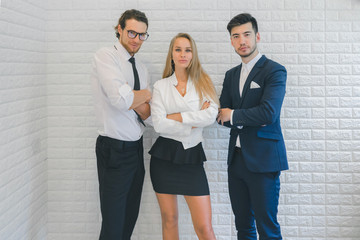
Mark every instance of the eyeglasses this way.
pixel 142 36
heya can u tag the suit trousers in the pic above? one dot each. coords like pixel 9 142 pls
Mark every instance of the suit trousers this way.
pixel 254 198
pixel 121 176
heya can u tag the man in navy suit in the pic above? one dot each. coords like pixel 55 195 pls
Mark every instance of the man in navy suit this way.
pixel 251 100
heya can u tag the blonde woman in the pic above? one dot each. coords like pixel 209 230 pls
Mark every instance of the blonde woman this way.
pixel 183 103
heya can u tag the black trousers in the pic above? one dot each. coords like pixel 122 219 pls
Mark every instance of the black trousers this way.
pixel 121 176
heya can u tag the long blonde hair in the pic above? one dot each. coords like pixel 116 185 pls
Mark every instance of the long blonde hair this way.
pixel 202 82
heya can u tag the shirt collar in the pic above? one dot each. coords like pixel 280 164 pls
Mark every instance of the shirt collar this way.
pixel 252 63
pixel 174 80
pixel 122 51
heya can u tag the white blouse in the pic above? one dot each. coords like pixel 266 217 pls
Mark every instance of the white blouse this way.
pixel 167 100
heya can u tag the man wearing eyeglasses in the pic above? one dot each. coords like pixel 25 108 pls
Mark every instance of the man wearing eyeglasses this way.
pixel 121 98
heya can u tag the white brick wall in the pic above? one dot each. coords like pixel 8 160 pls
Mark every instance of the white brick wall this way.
pixel 317 41
pixel 23 122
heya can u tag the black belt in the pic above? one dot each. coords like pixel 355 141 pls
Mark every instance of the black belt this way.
pixel 120 144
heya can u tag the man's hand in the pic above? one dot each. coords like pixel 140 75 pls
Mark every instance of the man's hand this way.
pixel 140 97
pixel 224 115
pixel 143 110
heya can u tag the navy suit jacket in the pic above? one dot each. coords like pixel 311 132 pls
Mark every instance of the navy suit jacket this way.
pixel 258 111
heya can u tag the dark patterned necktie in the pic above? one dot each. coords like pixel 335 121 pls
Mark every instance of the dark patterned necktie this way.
pixel 136 84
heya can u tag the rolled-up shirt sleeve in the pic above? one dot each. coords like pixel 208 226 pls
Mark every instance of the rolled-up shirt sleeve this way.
pixel 112 81
pixel 162 124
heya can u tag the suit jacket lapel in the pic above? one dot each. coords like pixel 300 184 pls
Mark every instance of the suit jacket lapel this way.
pixel 256 69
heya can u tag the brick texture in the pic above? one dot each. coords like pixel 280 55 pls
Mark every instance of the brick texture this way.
pixel 48 179
pixel 23 120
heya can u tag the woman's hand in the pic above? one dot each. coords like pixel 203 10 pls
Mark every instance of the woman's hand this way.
pixel 178 117
pixel 175 117
pixel 205 105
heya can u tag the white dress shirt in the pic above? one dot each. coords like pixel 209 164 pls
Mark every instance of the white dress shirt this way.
pixel 113 81
pixel 245 70
pixel 167 100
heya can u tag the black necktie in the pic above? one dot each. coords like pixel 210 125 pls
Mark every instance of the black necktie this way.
pixel 136 84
